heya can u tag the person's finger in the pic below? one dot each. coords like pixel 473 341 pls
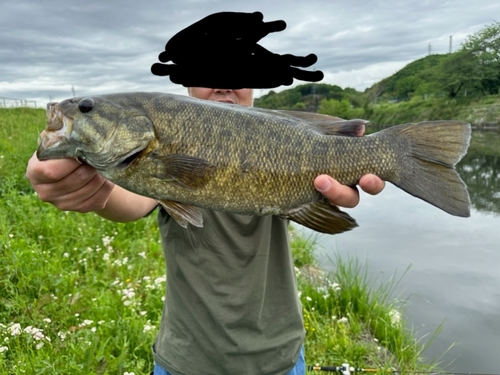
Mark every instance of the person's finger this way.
pixel 91 196
pixel 371 184
pixel 40 172
pixel 335 192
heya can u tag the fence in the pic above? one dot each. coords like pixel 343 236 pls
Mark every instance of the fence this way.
pixel 13 102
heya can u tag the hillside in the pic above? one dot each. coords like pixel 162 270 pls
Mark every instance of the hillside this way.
pixel 463 85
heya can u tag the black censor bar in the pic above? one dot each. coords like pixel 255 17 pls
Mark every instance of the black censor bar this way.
pixel 221 51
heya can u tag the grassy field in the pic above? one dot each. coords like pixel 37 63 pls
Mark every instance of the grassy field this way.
pixel 82 295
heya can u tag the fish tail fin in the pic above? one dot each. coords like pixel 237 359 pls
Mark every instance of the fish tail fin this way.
pixel 432 151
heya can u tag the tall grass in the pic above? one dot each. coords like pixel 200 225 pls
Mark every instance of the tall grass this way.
pixel 82 295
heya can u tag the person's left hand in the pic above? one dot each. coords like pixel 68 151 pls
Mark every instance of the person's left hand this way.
pixel 346 196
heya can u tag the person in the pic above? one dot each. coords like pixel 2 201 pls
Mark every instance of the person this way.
pixel 232 303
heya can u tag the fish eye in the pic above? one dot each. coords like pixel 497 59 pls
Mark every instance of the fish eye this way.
pixel 86 105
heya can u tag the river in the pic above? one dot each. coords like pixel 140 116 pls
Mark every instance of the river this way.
pixel 454 263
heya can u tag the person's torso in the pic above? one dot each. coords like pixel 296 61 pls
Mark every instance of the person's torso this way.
pixel 232 305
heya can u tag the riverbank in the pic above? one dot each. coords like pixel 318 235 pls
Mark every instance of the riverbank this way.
pixel 349 320
pixel 482 113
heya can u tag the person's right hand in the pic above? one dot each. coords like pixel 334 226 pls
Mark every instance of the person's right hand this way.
pixel 69 185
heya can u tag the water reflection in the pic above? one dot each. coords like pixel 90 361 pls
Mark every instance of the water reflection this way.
pixel 480 170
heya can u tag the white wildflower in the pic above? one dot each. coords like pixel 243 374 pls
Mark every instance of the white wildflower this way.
pixel 106 240
pixel 85 323
pixel 395 316
pixel 148 327
pixel 15 329
pixel 39 345
pixel 128 293
pixel 37 333
pixel 335 286
pixel 3 349
pixel 160 280
pixel 142 254
pixel 308 298
pixel 342 320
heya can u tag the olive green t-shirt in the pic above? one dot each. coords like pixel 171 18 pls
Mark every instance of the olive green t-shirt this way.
pixel 232 306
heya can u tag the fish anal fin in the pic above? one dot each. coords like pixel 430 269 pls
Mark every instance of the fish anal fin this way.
pixel 323 217
pixel 183 213
pixel 187 171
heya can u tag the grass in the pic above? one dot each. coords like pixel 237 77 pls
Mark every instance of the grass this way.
pixel 82 295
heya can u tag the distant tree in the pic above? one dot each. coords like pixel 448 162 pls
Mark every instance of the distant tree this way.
pixel 405 87
pixel 460 71
pixel 485 47
pixel 333 107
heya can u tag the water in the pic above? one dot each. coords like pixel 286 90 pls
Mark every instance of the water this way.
pixel 454 275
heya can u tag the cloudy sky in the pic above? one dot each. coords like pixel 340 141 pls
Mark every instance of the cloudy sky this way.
pixel 96 47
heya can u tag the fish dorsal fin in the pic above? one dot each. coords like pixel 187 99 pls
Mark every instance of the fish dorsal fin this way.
pixel 188 172
pixel 330 125
pixel 183 213
pixel 323 217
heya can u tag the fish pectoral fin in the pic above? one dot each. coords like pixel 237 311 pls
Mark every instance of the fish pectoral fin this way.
pixel 323 217
pixel 183 213
pixel 187 171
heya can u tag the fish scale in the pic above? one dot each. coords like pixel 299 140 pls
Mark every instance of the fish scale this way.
pixel 189 153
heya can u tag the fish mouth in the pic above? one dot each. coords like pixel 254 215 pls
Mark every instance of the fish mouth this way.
pixel 53 142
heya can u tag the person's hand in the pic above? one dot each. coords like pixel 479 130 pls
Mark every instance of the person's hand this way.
pixel 346 196
pixel 68 185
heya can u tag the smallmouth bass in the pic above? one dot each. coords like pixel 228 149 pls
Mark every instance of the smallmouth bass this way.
pixel 190 153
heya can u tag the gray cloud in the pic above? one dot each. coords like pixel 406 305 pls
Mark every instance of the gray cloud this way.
pixel 100 47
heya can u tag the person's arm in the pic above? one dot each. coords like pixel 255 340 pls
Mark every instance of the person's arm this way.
pixel 71 186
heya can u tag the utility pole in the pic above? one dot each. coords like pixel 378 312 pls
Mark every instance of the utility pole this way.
pixel 430 49
pixel 451 43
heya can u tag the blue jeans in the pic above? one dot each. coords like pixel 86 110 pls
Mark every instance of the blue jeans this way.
pixel 299 369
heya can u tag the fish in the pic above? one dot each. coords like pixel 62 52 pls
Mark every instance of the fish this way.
pixel 189 153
